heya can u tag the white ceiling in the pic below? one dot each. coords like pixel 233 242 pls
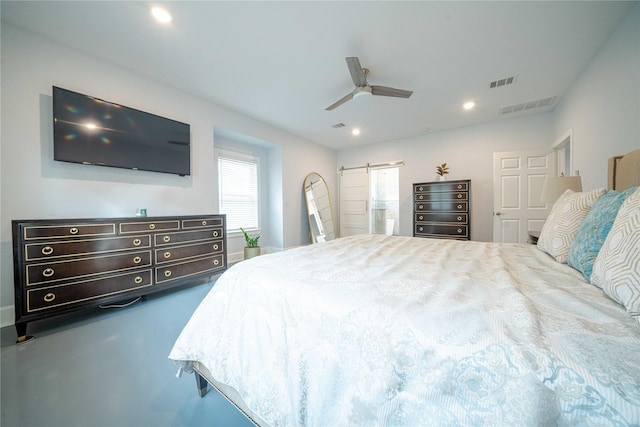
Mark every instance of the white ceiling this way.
pixel 283 63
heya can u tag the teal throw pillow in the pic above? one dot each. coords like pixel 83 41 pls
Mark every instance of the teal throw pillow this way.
pixel 594 230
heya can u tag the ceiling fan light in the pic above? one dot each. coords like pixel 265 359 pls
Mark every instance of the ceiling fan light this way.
pixel 360 92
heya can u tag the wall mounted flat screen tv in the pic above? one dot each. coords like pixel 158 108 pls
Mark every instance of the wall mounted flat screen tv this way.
pixel 92 131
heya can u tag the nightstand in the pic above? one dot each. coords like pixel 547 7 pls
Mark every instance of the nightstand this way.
pixel 533 237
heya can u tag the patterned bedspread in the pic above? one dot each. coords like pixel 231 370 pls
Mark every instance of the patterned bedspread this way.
pixel 401 331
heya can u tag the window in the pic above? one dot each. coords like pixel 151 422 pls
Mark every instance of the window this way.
pixel 238 190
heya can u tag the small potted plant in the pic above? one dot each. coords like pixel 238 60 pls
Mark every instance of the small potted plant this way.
pixel 442 172
pixel 251 249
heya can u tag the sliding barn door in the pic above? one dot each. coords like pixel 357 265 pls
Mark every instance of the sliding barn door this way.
pixel 354 202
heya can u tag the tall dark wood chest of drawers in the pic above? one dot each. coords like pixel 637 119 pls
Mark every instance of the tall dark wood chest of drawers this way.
pixel 442 209
pixel 64 265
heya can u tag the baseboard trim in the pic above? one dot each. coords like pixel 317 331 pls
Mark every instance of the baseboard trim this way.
pixel 7 316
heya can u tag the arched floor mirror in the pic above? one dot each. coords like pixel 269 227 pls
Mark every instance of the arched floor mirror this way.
pixel 319 209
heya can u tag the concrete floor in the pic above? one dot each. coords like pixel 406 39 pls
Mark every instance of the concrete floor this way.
pixel 108 367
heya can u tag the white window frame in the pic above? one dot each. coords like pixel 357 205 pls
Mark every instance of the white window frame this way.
pixel 241 157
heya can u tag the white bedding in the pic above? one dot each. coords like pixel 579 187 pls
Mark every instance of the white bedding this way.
pixel 401 331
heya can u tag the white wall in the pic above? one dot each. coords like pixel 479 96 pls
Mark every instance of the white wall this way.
pixel 469 153
pixel 603 106
pixel 35 186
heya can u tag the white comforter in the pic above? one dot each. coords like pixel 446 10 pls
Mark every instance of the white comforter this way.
pixel 400 331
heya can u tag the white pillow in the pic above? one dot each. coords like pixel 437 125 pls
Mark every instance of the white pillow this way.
pixel 617 267
pixel 561 227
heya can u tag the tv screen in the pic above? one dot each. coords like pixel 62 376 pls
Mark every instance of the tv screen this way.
pixel 92 131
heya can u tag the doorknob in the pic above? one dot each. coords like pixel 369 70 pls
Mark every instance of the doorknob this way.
pixel 498 213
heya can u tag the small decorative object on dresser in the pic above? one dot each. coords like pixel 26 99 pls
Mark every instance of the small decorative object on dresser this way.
pixel 442 209
pixel 64 265
pixel 252 249
pixel 442 172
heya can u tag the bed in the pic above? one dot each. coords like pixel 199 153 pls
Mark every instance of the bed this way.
pixel 401 331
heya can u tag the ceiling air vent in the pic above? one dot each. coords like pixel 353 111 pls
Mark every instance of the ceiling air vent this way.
pixel 338 125
pixel 529 105
pixel 502 82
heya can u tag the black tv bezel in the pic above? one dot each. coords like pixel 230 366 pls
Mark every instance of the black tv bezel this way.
pixel 123 108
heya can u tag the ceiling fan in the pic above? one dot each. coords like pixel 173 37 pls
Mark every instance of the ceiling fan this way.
pixel 359 77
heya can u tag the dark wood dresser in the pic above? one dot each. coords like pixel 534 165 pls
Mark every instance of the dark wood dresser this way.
pixel 64 265
pixel 442 209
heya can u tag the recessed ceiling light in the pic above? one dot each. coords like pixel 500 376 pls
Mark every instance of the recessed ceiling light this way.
pixel 161 15
pixel 355 131
pixel 468 105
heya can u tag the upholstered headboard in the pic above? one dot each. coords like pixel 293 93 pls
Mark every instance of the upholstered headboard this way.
pixel 624 171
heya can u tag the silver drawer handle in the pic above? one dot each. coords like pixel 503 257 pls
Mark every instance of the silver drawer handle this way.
pixel 420 188
pixel 138 280
pixel 420 217
pixel 459 230
pixel 137 242
pixel 48 272
pixel 216 234
pixel 152 226
pixel 204 222
pixel 420 197
pixel 49 297
pixel 459 186
pixel 459 206
pixel 47 250
pixel 459 218
pixel 167 254
pixel 73 230
pixel 167 273
pixel 420 206
pixel 215 247
pixel 137 260
pixel 459 196
pixel 420 228
pixel 216 262
pixel 166 239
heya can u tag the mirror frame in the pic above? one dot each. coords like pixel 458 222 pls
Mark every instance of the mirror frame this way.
pixel 305 183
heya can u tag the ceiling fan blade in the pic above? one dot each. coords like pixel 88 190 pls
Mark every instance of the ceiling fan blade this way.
pixel 357 73
pixel 389 91
pixel 340 102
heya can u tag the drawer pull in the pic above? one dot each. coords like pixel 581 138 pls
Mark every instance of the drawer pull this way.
pixel 420 197
pixel 73 230
pixel 215 247
pixel 167 254
pixel 459 218
pixel 167 273
pixel 420 206
pixel 137 260
pixel 49 297
pixel 137 242
pixel 420 218
pixel 459 186
pixel 215 233
pixel 459 230
pixel 166 239
pixel 47 250
pixel 216 262
pixel 204 222
pixel 420 188
pixel 138 280
pixel 459 196
pixel 48 272
pixel 152 226
pixel 420 229
pixel 459 206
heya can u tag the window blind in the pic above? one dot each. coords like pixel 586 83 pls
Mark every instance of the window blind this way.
pixel 238 192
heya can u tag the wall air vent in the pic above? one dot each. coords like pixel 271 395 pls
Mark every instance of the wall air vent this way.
pixel 338 125
pixel 502 82
pixel 529 105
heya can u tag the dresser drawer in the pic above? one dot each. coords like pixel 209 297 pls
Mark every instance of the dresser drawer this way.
pixel 185 269
pixel 452 206
pixel 458 218
pixel 449 230
pixel 441 187
pixel 68 230
pixel 36 251
pixel 163 239
pixel 201 223
pixel 142 226
pixel 61 295
pixel 435 197
pixel 65 270
pixel 177 253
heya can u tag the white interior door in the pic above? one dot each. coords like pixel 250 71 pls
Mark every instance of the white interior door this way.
pixel 518 178
pixel 354 201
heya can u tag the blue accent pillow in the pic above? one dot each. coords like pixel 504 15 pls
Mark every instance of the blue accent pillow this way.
pixel 594 230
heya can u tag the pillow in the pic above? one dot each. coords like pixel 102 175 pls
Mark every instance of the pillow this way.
pixel 617 267
pixel 594 230
pixel 563 222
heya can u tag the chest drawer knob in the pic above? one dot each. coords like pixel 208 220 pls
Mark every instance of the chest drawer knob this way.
pixel 420 217
pixel 215 247
pixel 137 242
pixel 48 272
pixel 459 196
pixel 420 228
pixel 137 260
pixel 138 280
pixel 73 230
pixel 166 239
pixel 459 206
pixel 47 250
pixel 49 297
pixel 420 188
pixel 459 230
pixel 459 218
pixel 204 222
pixel 216 262
pixel 152 226
pixel 421 197
pixel 459 186
pixel 420 206
pixel 215 233
pixel 167 273
pixel 167 254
